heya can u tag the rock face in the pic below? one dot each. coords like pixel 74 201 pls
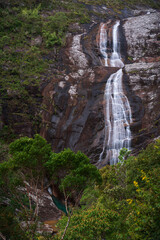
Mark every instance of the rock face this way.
pixel 144 80
pixel 75 103
pixel 74 99
pixel 142 36
pixel 47 210
pixel 143 42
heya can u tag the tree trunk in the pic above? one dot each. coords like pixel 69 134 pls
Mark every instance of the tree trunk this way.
pixel 69 217
pixel 69 214
pixel 3 237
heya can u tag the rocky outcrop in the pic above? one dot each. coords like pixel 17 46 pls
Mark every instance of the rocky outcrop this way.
pixel 142 36
pixel 144 79
pixel 46 209
pixel 143 42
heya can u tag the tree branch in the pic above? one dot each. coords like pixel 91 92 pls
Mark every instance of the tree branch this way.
pixel 2 236
pixel 64 233
pixel 69 214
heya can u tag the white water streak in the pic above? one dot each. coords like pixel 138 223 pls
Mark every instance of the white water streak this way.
pixel 103 43
pixel 117 110
pixel 115 60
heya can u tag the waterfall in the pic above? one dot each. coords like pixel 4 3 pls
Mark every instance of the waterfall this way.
pixel 115 60
pixel 117 108
pixel 103 43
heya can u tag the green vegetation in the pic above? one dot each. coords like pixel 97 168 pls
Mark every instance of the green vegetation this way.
pixel 24 173
pixel 72 173
pixel 30 33
pixel 77 172
pixel 126 205
pixel 93 223
pixel 24 168
pixel 122 203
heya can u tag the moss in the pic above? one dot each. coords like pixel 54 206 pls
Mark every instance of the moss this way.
pixel 142 130
pixel 134 72
pixel 158 37
pixel 130 58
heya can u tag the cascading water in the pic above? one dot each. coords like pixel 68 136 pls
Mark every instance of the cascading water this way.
pixel 117 109
pixel 115 60
pixel 103 43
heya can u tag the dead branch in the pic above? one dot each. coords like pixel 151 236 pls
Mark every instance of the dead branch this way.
pixel 2 236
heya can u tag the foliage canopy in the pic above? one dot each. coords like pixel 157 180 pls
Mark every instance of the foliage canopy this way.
pixel 30 162
pixel 130 193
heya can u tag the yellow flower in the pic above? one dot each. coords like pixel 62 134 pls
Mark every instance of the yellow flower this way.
pixel 129 201
pixel 144 177
pixel 135 183
pixel 156 147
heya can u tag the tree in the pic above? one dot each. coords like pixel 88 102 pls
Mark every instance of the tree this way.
pixel 20 177
pixel 33 168
pixel 28 158
pixel 12 202
pixel 72 173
